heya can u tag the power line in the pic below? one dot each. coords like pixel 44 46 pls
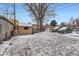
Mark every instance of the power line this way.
pixel 60 5
pixel 5 11
pixel 65 7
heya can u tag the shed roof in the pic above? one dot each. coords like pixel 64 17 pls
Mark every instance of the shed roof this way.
pixel 6 19
pixel 24 24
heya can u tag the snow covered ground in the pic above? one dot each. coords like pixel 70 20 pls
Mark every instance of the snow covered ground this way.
pixel 73 34
pixel 41 44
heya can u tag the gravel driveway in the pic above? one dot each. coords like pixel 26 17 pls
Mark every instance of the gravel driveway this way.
pixel 41 44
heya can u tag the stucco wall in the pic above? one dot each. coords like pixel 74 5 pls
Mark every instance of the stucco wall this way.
pixel 6 28
pixel 23 31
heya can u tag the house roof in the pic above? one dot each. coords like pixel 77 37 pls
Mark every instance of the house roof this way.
pixel 6 19
pixel 24 24
pixel 57 27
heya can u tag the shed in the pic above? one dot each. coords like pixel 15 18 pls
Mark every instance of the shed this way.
pixel 25 29
pixel 5 28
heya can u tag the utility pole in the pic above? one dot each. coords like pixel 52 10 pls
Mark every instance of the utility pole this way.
pixel 14 15
pixel 16 29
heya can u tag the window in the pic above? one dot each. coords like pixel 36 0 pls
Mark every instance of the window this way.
pixel 26 28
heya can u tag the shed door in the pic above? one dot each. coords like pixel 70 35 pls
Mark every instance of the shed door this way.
pixel 0 30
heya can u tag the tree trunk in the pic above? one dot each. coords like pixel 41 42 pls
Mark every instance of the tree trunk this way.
pixel 38 24
pixel 41 25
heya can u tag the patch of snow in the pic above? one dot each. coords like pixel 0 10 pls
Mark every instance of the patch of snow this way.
pixel 42 44
pixel 73 34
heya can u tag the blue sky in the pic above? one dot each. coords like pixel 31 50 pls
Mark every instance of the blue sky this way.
pixel 66 12
pixel 63 12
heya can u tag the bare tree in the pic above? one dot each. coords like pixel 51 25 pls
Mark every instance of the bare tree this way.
pixel 39 12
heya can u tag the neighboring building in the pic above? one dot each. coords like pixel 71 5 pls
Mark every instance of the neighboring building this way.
pixel 6 28
pixel 25 29
pixel 55 29
pixel 74 24
pixel 45 26
pixel 36 27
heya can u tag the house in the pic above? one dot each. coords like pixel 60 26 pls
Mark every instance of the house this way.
pixel 74 24
pixel 48 29
pixel 6 28
pixel 37 27
pixel 55 29
pixel 25 29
